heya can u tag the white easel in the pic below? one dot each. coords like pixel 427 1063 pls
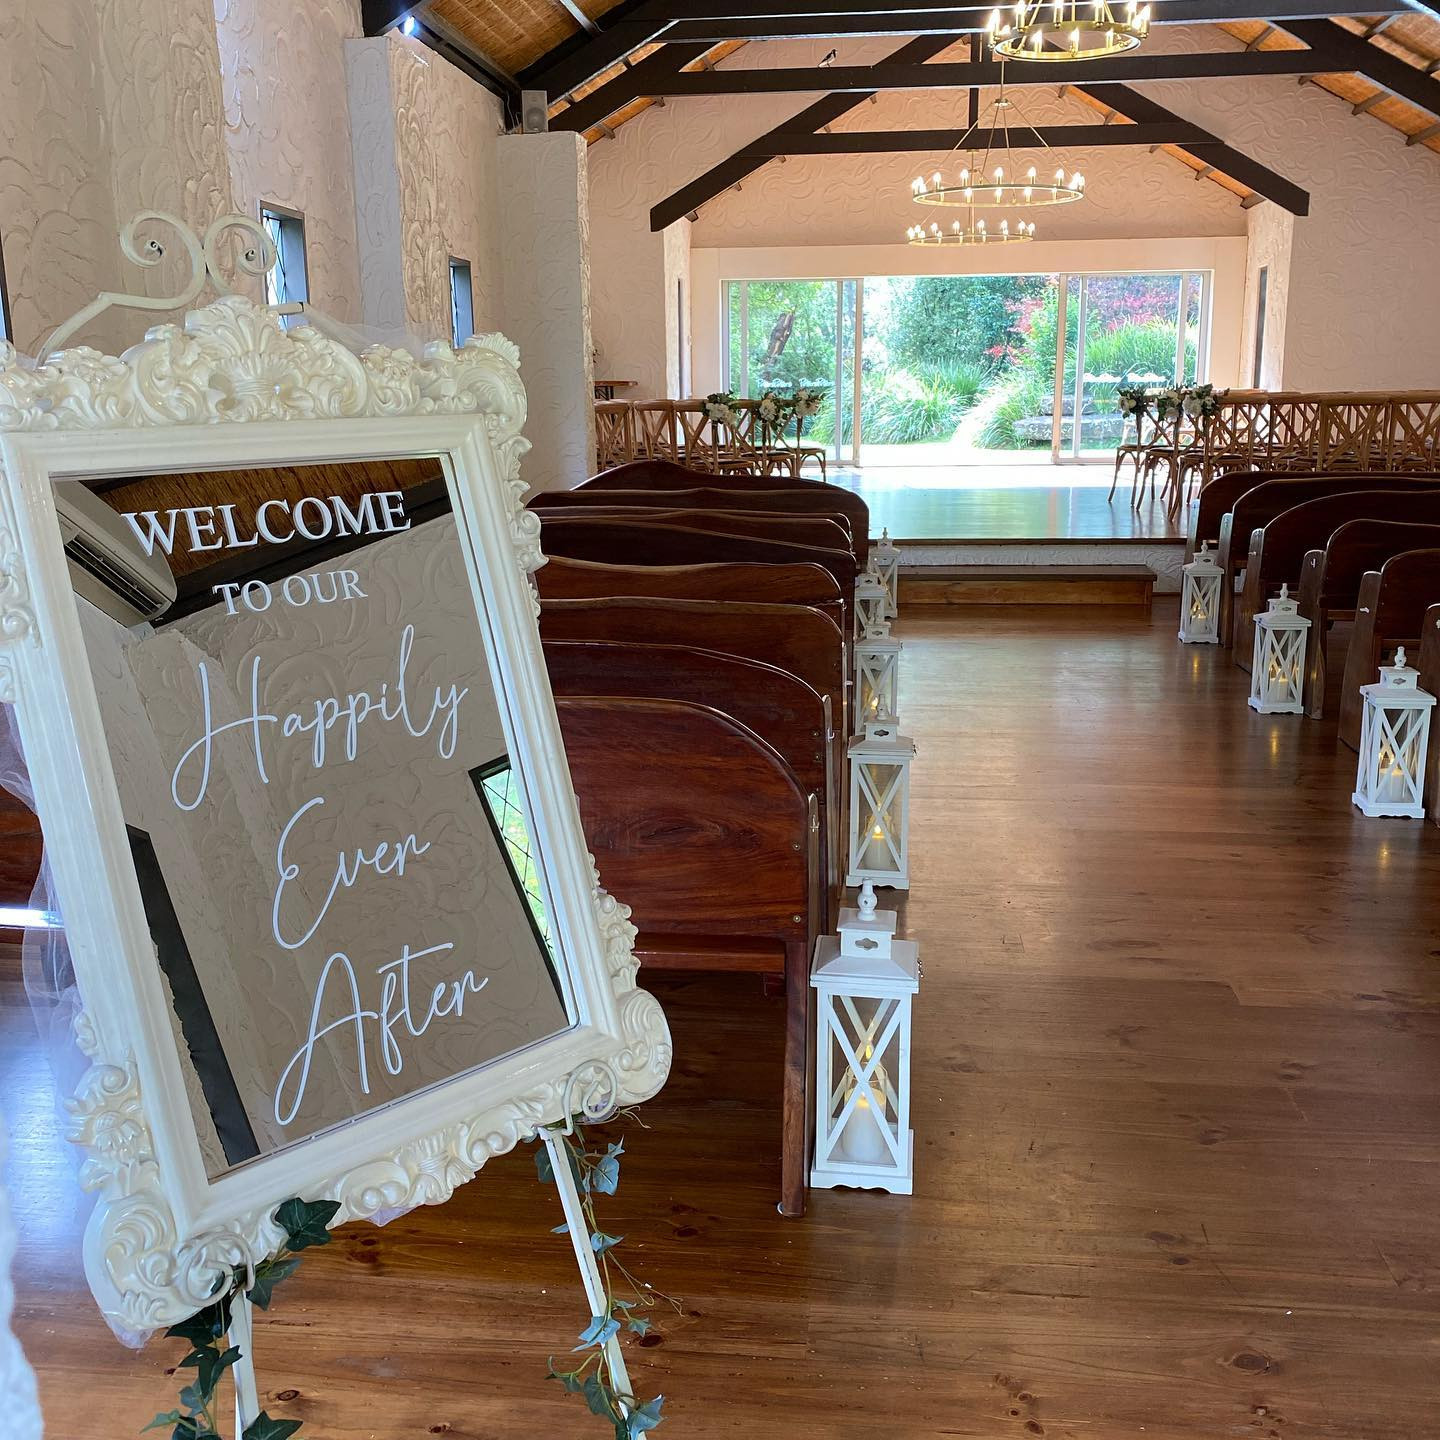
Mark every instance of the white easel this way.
pixel 247 1398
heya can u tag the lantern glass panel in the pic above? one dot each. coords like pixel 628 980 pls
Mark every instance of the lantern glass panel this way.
pixel 865 1061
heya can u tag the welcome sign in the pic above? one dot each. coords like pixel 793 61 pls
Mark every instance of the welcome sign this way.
pixel 334 927
pixel 338 874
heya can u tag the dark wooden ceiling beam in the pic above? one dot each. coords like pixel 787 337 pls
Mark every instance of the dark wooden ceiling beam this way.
pixel 955 76
pixel 1021 137
pixel 1343 51
pixel 578 60
pixel 721 177
pixel 691 23
pixel 1213 151
pixel 645 79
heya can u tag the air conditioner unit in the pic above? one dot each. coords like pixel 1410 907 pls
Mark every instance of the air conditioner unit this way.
pixel 107 566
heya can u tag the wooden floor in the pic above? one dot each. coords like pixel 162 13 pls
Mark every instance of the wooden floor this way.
pixel 979 504
pixel 1177 1109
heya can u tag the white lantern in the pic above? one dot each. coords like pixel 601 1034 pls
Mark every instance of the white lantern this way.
pixel 880 806
pixel 1200 600
pixel 1394 736
pixel 865 982
pixel 885 566
pixel 870 598
pixel 1277 663
pixel 877 669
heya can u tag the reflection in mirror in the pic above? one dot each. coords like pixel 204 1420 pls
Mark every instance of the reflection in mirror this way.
pixel 332 847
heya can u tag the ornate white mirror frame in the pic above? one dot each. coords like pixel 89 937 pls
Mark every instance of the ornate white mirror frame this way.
pixel 231 388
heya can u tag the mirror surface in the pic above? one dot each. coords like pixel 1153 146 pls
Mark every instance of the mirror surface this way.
pixel 331 842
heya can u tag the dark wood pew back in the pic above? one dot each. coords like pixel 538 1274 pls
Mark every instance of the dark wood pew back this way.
pixel 819 530
pixel 1330 586
pixel 711 884
pixel 1389 611
pixel 1269 497
pixel 1428 664
pixel 666 475
pixel 1278 548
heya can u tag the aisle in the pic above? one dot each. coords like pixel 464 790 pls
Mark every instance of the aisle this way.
pixel 1177 1110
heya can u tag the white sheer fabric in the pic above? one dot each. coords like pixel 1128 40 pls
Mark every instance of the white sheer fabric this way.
pixel 19 1404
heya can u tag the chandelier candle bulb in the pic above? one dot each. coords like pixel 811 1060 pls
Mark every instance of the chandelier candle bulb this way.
pixel 1277 662
pixel 1092 30
pixel 865 981
pixel 1200 599
pixel 1394 742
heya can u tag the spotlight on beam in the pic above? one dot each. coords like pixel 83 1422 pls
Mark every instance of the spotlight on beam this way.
pixel 408 26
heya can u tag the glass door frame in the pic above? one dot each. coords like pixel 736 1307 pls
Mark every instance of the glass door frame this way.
pixel 1190 280
pixel 836 448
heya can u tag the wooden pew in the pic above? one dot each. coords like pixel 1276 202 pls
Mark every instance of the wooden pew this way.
pixel 818 530
pixel 711 883
pixel 666 475
pixel 779 707
pixel 1278 548
pixel 1261 503
pixel 636 543
pixel 1330 586
pixel 1389 612
pixel 795 500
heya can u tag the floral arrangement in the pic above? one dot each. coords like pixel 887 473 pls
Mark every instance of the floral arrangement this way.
pixel 1194 401
pixel 719 408
pixel 807 401
pixel 773 411
pixel 1131 400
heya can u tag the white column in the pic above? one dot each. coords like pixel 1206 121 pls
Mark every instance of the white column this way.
pixel 544 215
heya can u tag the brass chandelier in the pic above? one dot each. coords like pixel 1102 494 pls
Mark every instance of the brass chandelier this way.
pixel 977 232
pixel 1065 30
pixel 993 179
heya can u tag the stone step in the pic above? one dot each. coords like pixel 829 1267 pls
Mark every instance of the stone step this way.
pixel 1132 585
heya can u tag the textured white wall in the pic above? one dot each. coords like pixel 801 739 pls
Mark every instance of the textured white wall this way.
pixel 1271 236
pixel 545 280
pixel 287 129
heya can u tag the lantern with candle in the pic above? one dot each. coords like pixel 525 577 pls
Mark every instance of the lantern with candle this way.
pixel 1394 739
pixel 865 982
pixel 885 565
pixel 877 673
pixel 1200 599
pixel 1277 663
pixel 880 806
pixel 870 602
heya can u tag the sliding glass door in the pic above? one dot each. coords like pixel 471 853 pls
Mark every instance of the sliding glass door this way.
pixel 1121 330
pixel 967 369
pixel 784 334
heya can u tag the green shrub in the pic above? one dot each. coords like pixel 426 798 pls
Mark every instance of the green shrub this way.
pixel 1014 397
pixel 905 407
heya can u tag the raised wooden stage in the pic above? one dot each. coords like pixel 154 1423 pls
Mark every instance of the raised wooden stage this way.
pixel 1177 1096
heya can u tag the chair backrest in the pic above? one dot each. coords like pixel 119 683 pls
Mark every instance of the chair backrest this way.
pixel 694 821
pixel 614 433
pixel 656 433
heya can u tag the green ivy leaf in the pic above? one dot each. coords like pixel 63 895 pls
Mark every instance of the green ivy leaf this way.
pixel 543 1168
pixel 570 1379
pixel 644 1417
pixel 598 1331
pixel 204 1327
pixel 262 1427
pixel 212 1366
pixel 597 1397
pixel 638 1326
pixel 161 1421
pixel 306 1222
pixel 602 1244
pixel 268 1276
pixel 560 1230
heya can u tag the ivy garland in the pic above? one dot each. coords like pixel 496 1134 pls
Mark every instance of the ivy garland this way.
pixel 597 1172
pixel 307 1224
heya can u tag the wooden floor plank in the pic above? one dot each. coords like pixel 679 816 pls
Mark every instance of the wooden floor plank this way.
pixel 1177 1103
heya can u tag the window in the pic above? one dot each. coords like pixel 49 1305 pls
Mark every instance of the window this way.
pixel 287 283
pixel 1262 294
pixel 462 302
